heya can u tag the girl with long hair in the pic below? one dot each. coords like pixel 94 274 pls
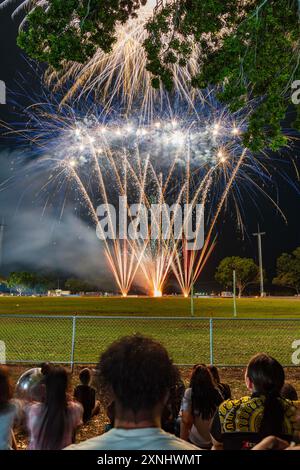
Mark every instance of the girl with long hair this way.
pixel 199 405
pixel 265 378
pixel 53 423
pixel 243 423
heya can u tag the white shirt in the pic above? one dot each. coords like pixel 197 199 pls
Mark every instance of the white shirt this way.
pixel 134 439
pixel 200 439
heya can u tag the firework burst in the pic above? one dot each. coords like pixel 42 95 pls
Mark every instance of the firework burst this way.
pixel 178 156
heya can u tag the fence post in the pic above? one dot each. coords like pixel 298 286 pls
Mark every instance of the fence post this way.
pixel 211 341
pixel 73 343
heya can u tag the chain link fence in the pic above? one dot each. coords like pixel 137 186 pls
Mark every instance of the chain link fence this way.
pixel 81 339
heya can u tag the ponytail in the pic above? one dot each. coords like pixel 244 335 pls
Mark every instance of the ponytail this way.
pixel 267 376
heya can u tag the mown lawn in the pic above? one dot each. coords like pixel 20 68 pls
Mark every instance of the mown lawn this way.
pixel 226 341
pixel 166 306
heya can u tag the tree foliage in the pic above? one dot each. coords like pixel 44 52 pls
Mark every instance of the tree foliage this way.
pixel 74 29
pixel 78 285
pixel 288 270
pixel 26 282
pixel 247 272
pixel 249 49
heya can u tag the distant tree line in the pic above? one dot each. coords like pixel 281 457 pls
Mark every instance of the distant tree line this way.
pixel 247 273
pixel 24 283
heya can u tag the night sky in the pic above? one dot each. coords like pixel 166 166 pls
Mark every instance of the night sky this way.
pixel 25 247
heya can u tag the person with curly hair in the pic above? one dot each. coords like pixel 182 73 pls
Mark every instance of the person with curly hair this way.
pixel 138 376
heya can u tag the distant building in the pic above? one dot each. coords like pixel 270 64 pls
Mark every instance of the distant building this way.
pixel 226 294
pixel 59 293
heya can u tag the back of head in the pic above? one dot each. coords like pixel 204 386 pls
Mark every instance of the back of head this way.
pixel 267 376
pixel 85 376
pixel 289 392
pixel 46 368
pixel 54 421
pixel 215 373
pixel 6 390
pixel 138 371
pixel 205 396
pixel 56 382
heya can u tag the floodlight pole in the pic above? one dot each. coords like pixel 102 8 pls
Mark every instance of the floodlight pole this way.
pixel 260 234
pixel 234 294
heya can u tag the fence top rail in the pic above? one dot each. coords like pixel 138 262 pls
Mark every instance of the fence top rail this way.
pixel 139 317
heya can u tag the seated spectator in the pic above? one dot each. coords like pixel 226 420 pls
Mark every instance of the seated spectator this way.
pixel 53 423
pixel 245 422
pixel 289 392
pixel 224 388
pixel 171 412
pixel 37 392
pixel 86 395
pixel 10 411
pixel 199 405
pixel 137 374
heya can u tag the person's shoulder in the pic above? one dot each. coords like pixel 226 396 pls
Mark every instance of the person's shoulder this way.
pixel 161 441
pixel 287 402
pixel 74 406
pixel 33 409
pixel 230 404
pixel 34 406
pixel 188 393
pixel 17 405
pixel 172 442
pixel 95 443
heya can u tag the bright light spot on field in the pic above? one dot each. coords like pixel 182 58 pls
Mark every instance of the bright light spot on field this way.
pixel 157 293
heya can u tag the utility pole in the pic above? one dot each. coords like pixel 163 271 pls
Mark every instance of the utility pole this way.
pixel 260 234
pixel 192 294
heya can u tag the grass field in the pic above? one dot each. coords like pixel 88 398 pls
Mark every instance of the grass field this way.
pixel 166 306
pixel 231 341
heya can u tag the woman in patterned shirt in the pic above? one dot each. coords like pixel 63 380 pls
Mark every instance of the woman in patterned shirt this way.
pixel 240 424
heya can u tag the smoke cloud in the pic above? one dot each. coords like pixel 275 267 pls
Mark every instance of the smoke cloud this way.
pixel 37 236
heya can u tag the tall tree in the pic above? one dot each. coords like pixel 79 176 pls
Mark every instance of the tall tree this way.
pixel 247 272
pixel 288 270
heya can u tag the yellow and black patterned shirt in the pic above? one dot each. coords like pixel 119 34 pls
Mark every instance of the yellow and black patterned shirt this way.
pixel 245 416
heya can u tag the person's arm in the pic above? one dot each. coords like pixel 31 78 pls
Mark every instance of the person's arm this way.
pixel 216 444
pixel 216 433
pixel 185 425
pixel 187 418
pixel 76 394
pixel 271 443
pixel 14 444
